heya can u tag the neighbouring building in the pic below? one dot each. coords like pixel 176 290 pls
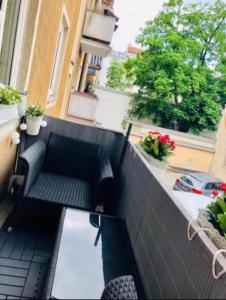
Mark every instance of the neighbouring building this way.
pixel 45 52
pixel 192 154
pixel 112 108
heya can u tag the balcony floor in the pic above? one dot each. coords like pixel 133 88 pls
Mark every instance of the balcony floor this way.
pixel 24 257
pixel 6 207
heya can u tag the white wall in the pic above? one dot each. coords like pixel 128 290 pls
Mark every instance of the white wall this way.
pixel 106 62
pixel 112 107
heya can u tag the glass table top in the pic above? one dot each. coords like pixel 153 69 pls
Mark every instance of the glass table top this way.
pixel 93 250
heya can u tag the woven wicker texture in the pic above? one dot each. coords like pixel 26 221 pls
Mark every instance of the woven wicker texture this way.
pixel 70 157
pixel 62 190
pixel 120 288
pixel 66 172
pixel 30 163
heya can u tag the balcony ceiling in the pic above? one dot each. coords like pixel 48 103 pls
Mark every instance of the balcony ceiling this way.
pixel 93 47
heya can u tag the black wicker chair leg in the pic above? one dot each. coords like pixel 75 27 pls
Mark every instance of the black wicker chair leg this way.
pixel 120 288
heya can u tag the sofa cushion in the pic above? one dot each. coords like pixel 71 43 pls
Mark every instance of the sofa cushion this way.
pixel 64 190
pixel 70 157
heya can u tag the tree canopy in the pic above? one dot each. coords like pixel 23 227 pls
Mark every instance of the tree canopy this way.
pixel 181 74
pixel 116 75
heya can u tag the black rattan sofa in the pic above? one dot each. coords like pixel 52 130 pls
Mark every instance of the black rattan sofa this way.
pixel 65 171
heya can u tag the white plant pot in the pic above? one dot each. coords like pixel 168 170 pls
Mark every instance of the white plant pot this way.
pixel 33 125
pixel 213 233
pixel 162 165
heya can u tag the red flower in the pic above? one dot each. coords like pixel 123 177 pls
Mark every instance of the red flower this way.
pixel 164 139
pixel 172 145
pixel 154 133
pixel 223 186
pixel 215 193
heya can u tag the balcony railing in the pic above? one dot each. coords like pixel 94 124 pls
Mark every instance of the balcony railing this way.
pixel 82 106
pixel 99 27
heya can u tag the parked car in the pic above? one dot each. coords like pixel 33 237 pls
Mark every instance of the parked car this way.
pixel 192 203
pixel 198 183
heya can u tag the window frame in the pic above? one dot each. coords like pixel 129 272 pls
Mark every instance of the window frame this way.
pixel 59 56
pixel 3 8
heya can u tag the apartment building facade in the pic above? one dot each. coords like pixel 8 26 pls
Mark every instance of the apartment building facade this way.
pixel 45 50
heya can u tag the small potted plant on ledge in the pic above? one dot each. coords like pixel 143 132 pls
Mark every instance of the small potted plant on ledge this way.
pixel 90 90
pixel 34 116
pixel 214 219
pixel 9 97
pixel 156 148
pixel 9 103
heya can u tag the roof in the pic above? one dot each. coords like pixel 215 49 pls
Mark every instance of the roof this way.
pixel 204 177
pixel 134 50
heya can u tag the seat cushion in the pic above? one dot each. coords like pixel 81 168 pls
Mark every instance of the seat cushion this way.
pixel 71 157
pixel 62 190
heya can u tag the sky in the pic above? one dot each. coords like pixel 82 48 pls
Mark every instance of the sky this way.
pixel 133 15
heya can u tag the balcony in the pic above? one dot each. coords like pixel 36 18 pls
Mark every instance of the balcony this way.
pixel 82 106
pixel 97 33
pixel 99 27
pixel 170 266
pixel 96 62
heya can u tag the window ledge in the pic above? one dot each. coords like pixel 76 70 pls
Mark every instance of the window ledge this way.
pixel 8 113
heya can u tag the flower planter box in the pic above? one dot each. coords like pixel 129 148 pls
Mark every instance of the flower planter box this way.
pixel 213 233
pixel 162 165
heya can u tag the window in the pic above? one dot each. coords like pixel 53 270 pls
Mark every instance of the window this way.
pixel 58 60
pixel 213 186
pixel 92 71
pixel 9 15
pixel 3 5
pixel 191 181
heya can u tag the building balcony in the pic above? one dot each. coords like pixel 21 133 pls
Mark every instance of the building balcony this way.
pixel 56 252
pixel 96 62
pixel 99 27
pixel 97 33
pixel 82 106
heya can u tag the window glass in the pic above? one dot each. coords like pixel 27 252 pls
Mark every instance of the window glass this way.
pixel 8 27
pixel 209 186
pixel 57 65
pixel 191 181
pixel 213 186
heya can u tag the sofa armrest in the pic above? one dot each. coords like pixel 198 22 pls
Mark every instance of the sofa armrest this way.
pixel 30 164
pixel 104 178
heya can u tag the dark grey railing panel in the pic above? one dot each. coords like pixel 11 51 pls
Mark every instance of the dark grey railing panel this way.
pixel 170 266
pixel 112 142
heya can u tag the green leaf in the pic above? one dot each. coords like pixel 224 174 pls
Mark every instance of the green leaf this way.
pixel 155 148
pixel 222 204
pixel 184 46
pixel 222 219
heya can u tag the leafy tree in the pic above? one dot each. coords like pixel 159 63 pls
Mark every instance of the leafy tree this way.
pixel 116 78
pixel 181 74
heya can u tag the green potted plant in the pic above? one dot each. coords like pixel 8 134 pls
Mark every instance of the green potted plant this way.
pixel 9 101
pixel 90 90
pixel 156 148
pixel 34 116
pixel 9 96
pixel 214 218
